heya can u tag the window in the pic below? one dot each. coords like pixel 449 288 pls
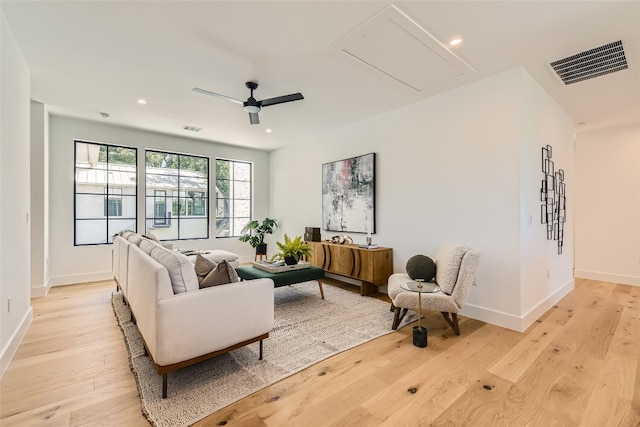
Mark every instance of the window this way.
pixel 104 192
pixel 160 217
pixel 233 197
pixel 113 202
pixel 177 193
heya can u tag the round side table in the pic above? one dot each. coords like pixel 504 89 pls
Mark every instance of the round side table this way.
pixel 419 286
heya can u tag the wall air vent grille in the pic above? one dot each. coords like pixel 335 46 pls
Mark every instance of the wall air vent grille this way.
pixel 191 128
pixel 596 62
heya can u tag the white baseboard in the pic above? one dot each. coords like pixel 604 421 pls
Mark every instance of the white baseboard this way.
pixel 80 278
pixel 494 317
pixel 511 321
pixel 607 277
pixel 534 314
pixel 40 291
pixel 10 349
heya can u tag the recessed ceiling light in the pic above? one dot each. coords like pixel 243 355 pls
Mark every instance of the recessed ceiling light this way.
pixel 455 41
pixel 268 131
pixel 142 101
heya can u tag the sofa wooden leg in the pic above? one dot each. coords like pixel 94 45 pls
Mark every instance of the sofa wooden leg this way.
pixel 397 317
pixel 321 290
pixel 164 386
pixel 260 358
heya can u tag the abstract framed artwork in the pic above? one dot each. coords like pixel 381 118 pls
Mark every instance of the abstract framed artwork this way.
pixel 348 194
pixel 553 210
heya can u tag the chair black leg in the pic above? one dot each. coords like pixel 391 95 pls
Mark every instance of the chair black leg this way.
pixel 260 358
pixel 398 316
pixel 393 307
pixel 164 386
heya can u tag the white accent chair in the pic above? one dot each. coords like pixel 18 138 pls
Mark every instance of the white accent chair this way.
pixel 456 267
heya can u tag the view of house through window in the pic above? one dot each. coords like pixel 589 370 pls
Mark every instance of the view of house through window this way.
pixel 233 197
pixel 104 191
pixel 177 196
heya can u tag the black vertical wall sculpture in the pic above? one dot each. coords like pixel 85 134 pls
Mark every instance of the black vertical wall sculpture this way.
pixel 553 211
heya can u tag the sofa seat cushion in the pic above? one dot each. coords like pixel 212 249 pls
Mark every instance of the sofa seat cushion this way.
pixel 181 272
pixel 215 255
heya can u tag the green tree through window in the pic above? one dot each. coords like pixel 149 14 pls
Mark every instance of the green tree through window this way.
pixel 233 197
pixel 177 195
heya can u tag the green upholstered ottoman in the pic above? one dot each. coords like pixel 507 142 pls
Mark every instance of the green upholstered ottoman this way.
pixel 284 278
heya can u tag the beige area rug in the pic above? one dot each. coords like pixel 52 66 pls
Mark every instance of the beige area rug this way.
pixel 306 330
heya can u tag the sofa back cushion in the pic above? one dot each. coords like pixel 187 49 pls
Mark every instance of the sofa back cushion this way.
pixel 148 245
pixel 181 271
pixel 448 262
pixel 134 238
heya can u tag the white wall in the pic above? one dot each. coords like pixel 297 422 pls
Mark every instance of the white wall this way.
pixel 449 169
pixel 39 198
pixel 14 196
pixel 608 205
pixel 545 276
pixel 73 264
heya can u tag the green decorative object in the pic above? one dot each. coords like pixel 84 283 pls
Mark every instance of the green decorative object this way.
pixel 421 267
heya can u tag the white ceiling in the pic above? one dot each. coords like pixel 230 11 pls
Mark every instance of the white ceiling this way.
pixel 100 56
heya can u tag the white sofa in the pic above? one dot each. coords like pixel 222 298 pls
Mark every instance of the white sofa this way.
pixel 180 329
pixel 120 256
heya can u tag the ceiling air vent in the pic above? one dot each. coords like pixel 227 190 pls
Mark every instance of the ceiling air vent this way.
pixel 191 128
pixel 595 62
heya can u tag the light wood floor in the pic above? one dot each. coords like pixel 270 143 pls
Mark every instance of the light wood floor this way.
pixel 577 365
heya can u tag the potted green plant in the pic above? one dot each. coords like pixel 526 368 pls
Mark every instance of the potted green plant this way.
pixel 291 250
pixel 254 231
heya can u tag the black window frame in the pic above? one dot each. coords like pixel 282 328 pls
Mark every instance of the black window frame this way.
pixel 171 198
pixel 231 218
pixel 104 194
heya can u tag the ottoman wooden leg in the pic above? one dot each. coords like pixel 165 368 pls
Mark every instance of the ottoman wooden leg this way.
pixel 321 290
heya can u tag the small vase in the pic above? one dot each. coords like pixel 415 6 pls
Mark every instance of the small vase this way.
pixel 289 260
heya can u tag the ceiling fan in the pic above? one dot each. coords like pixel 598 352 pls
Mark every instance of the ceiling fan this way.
pixel 252 106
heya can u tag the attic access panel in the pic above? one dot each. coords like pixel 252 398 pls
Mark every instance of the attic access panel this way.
pixel 395 45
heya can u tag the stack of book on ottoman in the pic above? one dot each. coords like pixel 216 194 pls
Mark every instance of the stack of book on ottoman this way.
pixel 279 267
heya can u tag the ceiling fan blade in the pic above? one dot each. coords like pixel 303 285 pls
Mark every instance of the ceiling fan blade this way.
pixel 206 92
pixel 281 99
pixel 253 118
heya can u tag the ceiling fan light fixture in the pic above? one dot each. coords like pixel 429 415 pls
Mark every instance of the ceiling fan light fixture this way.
pixel 252 108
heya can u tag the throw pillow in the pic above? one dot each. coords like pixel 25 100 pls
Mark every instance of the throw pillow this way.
pixel 421 267
pixel 222 274
pixel 203 266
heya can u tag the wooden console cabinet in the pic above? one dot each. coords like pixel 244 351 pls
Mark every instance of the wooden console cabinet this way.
pixel 371 266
